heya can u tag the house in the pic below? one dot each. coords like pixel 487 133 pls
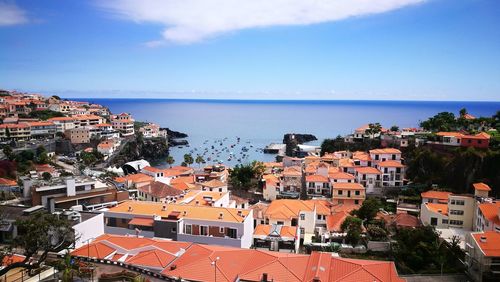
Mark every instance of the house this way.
pixel 318 185
pixel 271 187
pixel 123 123
pixel 107 148
pixel 78 135
pixel 459 139
pixel 456 211
pixel 156 191
pixel 348 193
pixel 214 185
pixel 483 255
pixel 87 120
pixel 370 178
pixel 386 154
pixel 152 130
pixel 173 261
pixel 188 223
pixel 307 215
pixel 393 173
pixel 66 192
pixel 276 237
pixel 63 123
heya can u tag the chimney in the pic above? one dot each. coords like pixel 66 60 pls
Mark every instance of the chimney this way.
pixel 264 277
pixel 240 213
pixel 483 239
pixel 197 202
pixel 221 215
pixel 129 208
pixel 164 208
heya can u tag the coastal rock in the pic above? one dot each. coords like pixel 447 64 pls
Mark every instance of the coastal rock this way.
pixel 292 140
pixel 174 134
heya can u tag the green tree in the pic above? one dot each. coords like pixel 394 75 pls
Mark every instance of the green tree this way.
pixel 373 129
pixel 353 228
pixel 199 160
pixel 444 121
pixel 38 235
pixel 170 160
pixel 188 159
pixel 463 112
pixel 242 175
pixel 8 152
pixel 394 128
pixel 41 155
pixel 368 209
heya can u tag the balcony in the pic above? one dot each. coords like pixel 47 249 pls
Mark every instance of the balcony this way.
pixel 224 241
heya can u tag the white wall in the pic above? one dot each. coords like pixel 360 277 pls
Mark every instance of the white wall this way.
pixel 91 228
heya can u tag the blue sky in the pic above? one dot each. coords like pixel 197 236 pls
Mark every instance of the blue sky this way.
pixel 337 49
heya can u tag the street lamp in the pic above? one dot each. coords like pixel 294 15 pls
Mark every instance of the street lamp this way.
pixel 214 263
pixel 88 258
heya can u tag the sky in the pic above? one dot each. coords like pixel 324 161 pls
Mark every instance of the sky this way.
pixel 253 49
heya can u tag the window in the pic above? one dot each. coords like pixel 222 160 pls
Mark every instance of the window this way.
pixel 456 222
pixel 204 230
pixel 232 233
pixel 457 202
pixel 188 229
pixel 221 230
pixel 357 192
pixel 174 230
pixel 302 216
pixel 356 202
pixel 280 223
pixel 445 221
pixel 319 217
pixel 340 192
pixel 457 212
pixel 302 230
pixel 434 221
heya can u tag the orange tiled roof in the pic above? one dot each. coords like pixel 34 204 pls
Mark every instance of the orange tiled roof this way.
pixel 285 231
pixel 390 163
pixel 135 178
pixel 183 179
pixel 349 186
pixel 490 211
pixel 449 134
pixel 491 245
pixel 438 208
pixel 292 171
pixel 481 186
pixel 7 182
pixel 160 190
pixel 385 151
pixel 367 170
pixel 440 195
pixel 10 259
pixel 346 162
pixel 144 208
pixel 288 208
pixel 152 169
pixel 40 123
pixel 362 156
pixel 317 178
pixel 341 175
pixel 214 183
pixel 61 119
pixel 86 117
pixel 335 220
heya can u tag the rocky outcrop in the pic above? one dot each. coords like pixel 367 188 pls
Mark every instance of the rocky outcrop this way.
pixel 174 134
pixel 292 140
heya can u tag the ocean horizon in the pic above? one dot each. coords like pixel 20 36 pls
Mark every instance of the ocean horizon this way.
pixel 261 122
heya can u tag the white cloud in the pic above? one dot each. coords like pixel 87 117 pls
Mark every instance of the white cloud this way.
pixel 188 21
pixel 11 14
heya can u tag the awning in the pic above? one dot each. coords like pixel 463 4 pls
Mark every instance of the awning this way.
pixel 141 221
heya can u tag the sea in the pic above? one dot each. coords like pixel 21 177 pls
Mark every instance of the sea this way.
pixel 235 131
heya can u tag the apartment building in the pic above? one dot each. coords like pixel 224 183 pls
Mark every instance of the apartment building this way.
pixel 370 178
pixel 348 193
pixel 188 223
pixel 318 185
pixel 42 129
pixel 483 255
pixel 455 211
pixel 63 123
pixel 80 135
pixel 487 217
pixel 87 120
pixel 123 123
pixel 66 192
pixel 152 130
pixel 386 154
pixel 393 173
pixel 17 132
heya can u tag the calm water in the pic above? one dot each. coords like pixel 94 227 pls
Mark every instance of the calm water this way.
pixel 259 123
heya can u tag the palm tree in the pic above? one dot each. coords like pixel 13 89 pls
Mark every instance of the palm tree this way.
pixel 373 129
pixel 199 160
pixel 170 160
pixel 188 159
